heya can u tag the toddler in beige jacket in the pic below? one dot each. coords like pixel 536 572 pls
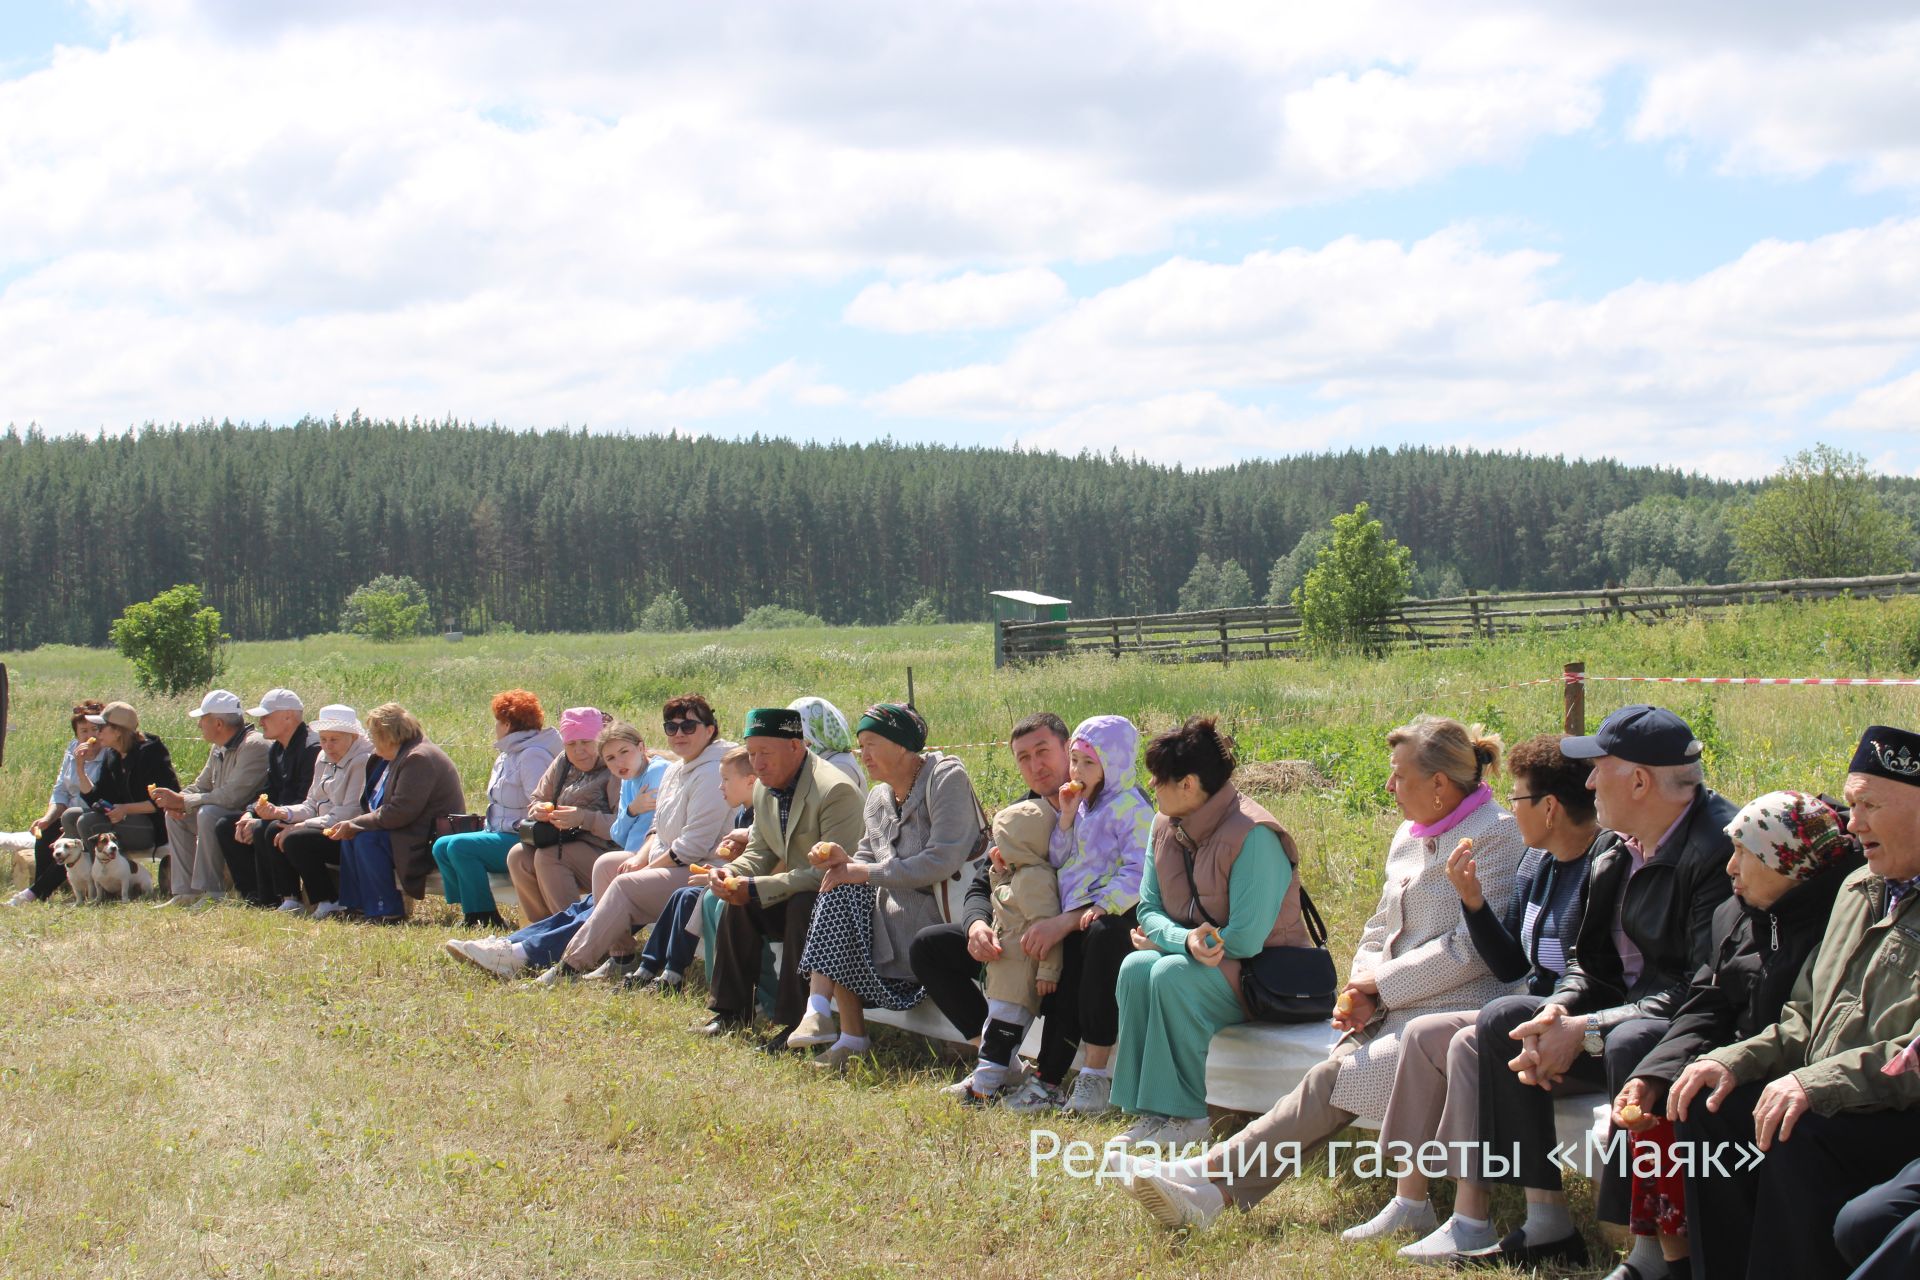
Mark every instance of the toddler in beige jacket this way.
pixel 1025 890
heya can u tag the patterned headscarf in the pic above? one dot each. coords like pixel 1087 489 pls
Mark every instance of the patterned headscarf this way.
pixel 1797 835
pixel 826 729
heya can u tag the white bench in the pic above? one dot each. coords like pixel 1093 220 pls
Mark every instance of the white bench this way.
pixel 503 893
pixel 1252 1066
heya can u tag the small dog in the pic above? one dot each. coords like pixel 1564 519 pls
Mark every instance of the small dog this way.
pixel 75 857
pixel 117 872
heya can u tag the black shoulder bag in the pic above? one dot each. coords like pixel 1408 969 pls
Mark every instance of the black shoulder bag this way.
pixel 1281 984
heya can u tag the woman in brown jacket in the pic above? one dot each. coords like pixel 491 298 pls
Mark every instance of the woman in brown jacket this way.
pixel 419 787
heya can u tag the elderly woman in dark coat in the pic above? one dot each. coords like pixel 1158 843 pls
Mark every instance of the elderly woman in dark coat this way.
pixel 923 824
pixel 420 786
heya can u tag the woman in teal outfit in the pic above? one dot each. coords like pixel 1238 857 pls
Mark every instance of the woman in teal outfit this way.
pixel 1219 888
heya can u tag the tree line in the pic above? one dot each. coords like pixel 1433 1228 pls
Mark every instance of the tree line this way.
pixel 569 531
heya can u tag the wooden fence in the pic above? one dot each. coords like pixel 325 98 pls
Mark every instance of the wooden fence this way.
pixel 1230 635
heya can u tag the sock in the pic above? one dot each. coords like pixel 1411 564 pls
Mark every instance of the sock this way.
pixel 1646 1257
pixel 1472 1224
pixel 820 1005
pixel 1546 1222
pixel 671 978
pixel 521 956
pixel 852 1044
pixel 1413 1206
pixel 998 1042
pixel 1096 1071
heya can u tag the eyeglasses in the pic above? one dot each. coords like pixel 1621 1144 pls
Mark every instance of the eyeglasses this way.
pixel 675 728
pixel 1517 799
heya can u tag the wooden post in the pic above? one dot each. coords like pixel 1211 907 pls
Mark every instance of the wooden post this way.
pixel 1573 697
pixel 910 687
pixel 3 713
pixel 1226 655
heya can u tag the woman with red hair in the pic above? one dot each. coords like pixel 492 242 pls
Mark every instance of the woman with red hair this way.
pixel 526 748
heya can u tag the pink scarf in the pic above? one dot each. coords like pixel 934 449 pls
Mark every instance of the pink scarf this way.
pixel 1427 830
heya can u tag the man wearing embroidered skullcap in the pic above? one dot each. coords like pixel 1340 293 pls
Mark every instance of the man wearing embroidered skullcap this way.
pixel 799 800
pixel 1827 1091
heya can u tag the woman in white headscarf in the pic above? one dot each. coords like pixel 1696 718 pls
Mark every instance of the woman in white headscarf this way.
pixel 829 736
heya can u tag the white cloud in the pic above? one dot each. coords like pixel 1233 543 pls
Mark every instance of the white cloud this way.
pixel 545 213
pixel 972 300
pixel 1890 406
pixel 1445 333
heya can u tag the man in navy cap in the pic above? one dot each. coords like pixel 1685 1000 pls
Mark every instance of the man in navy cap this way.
pixel 1830 1092
pixel 1647 930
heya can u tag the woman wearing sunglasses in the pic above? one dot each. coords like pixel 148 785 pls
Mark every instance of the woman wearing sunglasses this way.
pixel 690 817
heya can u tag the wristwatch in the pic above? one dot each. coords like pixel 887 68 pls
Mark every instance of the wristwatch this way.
pixel 1591 1041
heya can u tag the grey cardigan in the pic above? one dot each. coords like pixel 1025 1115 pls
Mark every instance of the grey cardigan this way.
pixel 913 849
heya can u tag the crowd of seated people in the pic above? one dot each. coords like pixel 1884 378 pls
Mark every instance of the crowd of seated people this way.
pixel 1721 973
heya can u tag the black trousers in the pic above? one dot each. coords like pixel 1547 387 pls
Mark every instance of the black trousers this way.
pixel 1512 1113
pixel 1772 1220
pixel 735 971
pixel 1082 1007
pixel 313 864
pixel 261 873
pixel 1878 1233
pixel 49 873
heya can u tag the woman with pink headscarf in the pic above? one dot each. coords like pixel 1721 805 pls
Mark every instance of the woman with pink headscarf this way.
pixel 569 820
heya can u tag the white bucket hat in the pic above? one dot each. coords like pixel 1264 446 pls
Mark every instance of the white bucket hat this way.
pixel 337 717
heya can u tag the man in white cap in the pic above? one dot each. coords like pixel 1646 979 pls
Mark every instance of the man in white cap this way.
pixel 235 773
pixel 261 873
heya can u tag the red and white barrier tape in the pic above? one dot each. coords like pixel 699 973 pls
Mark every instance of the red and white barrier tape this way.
pixel 1777 680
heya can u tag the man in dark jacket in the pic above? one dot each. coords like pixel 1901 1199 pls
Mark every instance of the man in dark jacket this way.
pixel 1826 1091
pixel 262 875
pixel 947 958
pixel 1647 930
pixel 1791 852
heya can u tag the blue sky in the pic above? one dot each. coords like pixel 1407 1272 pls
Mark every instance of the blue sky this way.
pixel 1198 233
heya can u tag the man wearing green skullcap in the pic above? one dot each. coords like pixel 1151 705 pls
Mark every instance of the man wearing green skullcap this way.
pixel 799 800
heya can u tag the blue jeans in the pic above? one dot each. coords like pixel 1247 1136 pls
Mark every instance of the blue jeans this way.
pixel 545 940
pixel 464 861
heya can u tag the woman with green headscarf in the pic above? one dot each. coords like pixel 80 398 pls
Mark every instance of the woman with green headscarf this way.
pixel 922 825
pixel 829 737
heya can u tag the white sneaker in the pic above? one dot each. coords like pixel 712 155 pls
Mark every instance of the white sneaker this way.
pixel 292 906
pixel 1144 1130
pixel 1092 1095
pixel 496 955
pixel 178 900
pixel 1176 1135
pixel 1447 1242
pixel 321 910
pixel 957 1091
pixel 1123 1165
pixel 1397 1218
pixel 1030 1093
pixel 1177 1205
pixel 22 898
pixel 613 969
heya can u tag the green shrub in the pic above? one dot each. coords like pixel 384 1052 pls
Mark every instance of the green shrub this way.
pixel 388 608
pixel 173 641
pixel 921 613
pixel 777 617
pixel 1354 584
pixel 666 612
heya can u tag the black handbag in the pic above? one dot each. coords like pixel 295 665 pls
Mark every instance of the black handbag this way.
pixel 1282 984
pixel 541 835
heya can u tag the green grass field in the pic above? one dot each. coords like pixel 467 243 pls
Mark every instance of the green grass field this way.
pixel 240 1094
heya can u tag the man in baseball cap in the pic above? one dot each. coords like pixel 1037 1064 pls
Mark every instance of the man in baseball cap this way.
pixel 1831 1092
pixel 1647 929
pixel 261 873
pixel 235 773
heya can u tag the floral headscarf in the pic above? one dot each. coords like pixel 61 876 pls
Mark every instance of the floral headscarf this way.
pixel 1796 835
pixel 826 729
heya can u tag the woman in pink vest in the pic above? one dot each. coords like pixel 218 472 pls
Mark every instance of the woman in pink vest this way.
pixel 1217 857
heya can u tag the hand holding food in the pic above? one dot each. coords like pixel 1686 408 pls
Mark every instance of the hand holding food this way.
pixel 1344 1004
pixel 824 853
